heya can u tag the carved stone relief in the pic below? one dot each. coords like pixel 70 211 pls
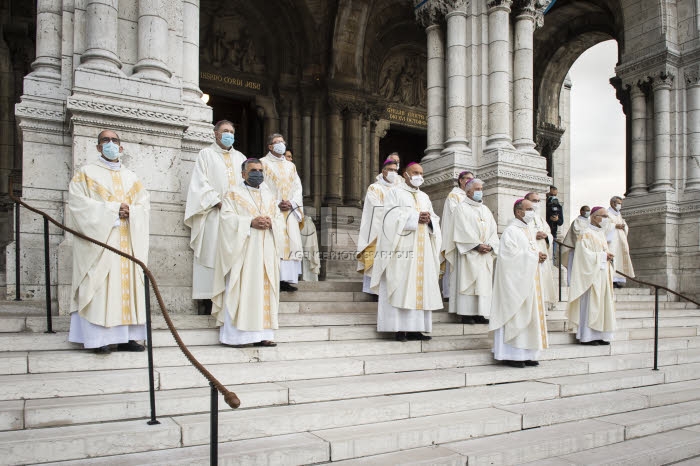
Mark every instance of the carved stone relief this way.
pixel 403 80
pixel 227 43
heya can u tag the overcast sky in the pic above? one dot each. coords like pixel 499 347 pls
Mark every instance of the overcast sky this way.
pixel 597 130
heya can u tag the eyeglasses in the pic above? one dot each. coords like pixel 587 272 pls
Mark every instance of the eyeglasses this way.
pixel 105 140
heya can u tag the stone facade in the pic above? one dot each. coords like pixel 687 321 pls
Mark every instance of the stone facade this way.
pixel 482 82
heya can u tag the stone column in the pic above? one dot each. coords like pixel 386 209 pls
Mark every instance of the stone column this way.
pixel 436 92
pixel 692 79
pixel 190 52
pixel 523 118
pixel 638 183
pixel 353 168
pixel 306 149
pixel 661 85
pixel 499 76
pixel 49 25
pixel 101 37
pixel 457 70
pixel 334 154
pixel 153 42
pixel 373 151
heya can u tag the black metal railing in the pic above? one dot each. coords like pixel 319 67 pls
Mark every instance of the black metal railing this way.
pixel 216 387
pixel 654 286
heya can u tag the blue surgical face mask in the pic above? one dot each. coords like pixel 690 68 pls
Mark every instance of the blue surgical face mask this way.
pixel 227 139
pixel 478 195
pixel 110 151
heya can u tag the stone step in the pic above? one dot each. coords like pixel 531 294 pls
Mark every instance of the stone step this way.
pixel 121 406
pixel 385 437
pixel 487 375
pixel 275 371
pixel 327 297
pixel 77 442
pixel 623 362
pixel 13 363
pixel 665 322
pixel 12 324
pixel 382 364
pixel 647 346
pixel 682 372
pixel 469 398
pixel 294 449
pixel 655 420
pixel 265 422
pixel 537 444
pixel 653 450
pixel 669 393
pixel 11 415
pixel 559 410
pixel 605 381
pixel 426 456
pixel 30 386
pixel 330 285
pixel 307 391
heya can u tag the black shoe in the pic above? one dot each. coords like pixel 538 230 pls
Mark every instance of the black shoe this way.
pixel 102 350
pixel 131 346
pixel 401 336
pixel 284 286
pixel 603 342
pixel 618 285
pixel 480 320
pixel 589 343
pixel 418 336
pixel 468 320
pixel 204 307
pixel 532 363
pixel 518 364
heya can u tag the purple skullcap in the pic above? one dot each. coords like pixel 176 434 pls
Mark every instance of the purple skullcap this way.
pixel 519 200
pixel 410 164
pixel 389 161
pixel 593 210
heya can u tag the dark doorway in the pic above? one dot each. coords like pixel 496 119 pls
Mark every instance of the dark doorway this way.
pixel 243 114
pixel 409 143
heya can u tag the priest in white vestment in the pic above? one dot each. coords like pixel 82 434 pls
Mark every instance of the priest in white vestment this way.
pixel 246 271
pixel 216 171
pixel 371 223
pixel 518 306
pixel 591 302
pixel 470 252
pixel 457 195
pixel 282 179
pixel 396 158
pixel 579 224
pixel 545 242
pixel 107 202
pixel 407 265
pixel 617 240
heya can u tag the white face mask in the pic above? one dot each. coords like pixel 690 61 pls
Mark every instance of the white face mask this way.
pixel 529 216
pixel 416 180
pixel 587 214
pixel 279 148
pixel 392 177
pixel 604 223
pixel 535 207
pixel 618 207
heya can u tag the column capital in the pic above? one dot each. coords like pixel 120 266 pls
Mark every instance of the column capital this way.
pixel 430 13
pixel 662 80
pixel 499 5
pixel 692 75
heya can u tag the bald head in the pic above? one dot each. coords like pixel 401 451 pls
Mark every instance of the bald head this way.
pixel 598 216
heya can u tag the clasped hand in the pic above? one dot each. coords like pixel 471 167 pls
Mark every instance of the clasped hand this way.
pixel 611 257
pixel 541 235
pixel 543 257
pixel 261 223
pixel 285 206
pixel 124 211
pixel 483 248
pixel 424 217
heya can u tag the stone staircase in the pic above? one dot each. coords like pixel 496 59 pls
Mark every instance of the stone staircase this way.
pixel 336 391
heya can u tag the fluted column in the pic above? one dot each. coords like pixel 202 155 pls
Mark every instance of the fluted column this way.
pixel 692 80
pixel 153 42
pixel 351 174
pixel 436 91
pixel 639 141
pixel 456 124
pixel 190 52
pixel 101 52
pixel 373 150
pixel 334 154
pixel 523 111
pixel 499 75
pixel 49 26
pixel 662 132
